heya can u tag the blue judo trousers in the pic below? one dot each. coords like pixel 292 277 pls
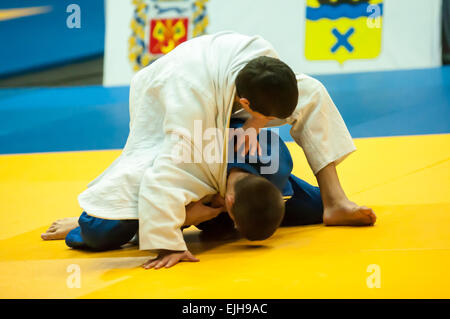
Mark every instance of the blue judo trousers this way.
pixel 304 207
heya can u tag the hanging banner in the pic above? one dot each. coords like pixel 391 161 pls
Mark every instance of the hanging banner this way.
pixel 312 36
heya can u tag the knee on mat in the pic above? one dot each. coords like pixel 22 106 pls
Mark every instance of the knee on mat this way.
pixel 101 234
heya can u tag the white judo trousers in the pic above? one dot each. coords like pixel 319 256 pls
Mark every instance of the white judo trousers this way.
pixel 195 82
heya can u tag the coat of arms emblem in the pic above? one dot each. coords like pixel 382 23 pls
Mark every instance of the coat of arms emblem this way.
pixel 341 30
pixel 158 26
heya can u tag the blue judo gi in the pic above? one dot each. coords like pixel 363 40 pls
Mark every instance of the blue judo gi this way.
pixel 304 206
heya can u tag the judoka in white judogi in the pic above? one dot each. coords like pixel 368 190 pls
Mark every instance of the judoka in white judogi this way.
pixel 196 82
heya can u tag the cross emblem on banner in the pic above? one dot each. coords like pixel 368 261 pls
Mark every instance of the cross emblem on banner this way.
pixel 342 40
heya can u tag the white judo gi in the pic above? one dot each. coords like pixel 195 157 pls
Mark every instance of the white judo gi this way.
pixel 195 81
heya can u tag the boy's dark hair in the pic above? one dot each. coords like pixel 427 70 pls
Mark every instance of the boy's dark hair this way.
pixel 258 207
pixel 270 86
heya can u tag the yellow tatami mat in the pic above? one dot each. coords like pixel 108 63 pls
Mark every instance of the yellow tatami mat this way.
pixel 406 180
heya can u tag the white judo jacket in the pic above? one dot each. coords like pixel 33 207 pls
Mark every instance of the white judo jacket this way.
pixel 193 82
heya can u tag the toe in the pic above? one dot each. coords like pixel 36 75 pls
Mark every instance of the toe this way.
pixel 45 236
pixel 51 230
pixel 51 235
pixel 373 217
pixel 369 213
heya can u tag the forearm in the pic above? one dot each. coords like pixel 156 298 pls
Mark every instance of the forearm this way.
pixel 197 212
pixel 188 220
pixel 330 186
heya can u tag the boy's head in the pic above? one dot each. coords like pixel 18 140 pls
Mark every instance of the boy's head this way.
pixel 267 86
pixel 255 205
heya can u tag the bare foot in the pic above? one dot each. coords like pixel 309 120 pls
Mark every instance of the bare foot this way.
pixel 60 228
pixel 347 213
